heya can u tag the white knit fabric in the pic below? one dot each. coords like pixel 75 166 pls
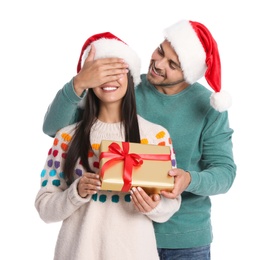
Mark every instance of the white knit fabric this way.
pixel 104 226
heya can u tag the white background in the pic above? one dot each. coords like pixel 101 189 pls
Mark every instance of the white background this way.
pixel 40 45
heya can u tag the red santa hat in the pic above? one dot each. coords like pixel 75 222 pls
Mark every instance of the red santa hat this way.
pixel 108 45
pixel 198 54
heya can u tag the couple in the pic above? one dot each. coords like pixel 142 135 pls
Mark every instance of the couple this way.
pixel 168 96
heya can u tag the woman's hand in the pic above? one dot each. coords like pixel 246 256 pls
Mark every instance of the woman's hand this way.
pixel 89 184
pixel 142 201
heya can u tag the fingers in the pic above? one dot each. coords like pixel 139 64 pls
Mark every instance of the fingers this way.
pixel 91 53
pixel 109 63
pixel 175 191
pixel 98 72
pixel 94 73
pixel 142 201
pixel 111 69
pixel 89 184
pixel 169 195
pixel 110 73
pixel 182 180
pixel 173 172
pixel 155 197
pixel 113 62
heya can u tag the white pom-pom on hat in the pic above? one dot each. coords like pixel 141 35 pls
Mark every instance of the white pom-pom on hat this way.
pixel 199 56
pixel 221 101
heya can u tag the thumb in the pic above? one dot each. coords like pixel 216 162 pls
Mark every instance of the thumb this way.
pixel 91 53
pixel 155 197
pixel 173 172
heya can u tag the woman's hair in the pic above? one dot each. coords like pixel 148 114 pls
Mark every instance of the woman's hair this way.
pixel 80 145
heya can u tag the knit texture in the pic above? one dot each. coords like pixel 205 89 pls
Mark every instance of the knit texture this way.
pixel 104 225
pixel 202 140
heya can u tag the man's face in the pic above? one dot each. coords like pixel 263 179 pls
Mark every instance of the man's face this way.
pixel 165 69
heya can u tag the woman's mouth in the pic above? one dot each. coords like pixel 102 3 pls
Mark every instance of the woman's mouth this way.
pixel 109 88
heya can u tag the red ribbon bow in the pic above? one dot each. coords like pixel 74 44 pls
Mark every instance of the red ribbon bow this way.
pixel 116 153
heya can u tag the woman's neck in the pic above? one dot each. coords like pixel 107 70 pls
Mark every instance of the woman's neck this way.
pixel 109 114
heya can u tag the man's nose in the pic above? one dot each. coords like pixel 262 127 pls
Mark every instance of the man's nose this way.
pixel 161 63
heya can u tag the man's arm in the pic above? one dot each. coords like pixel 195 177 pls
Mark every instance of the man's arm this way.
pixel 62 111
pixel 218 166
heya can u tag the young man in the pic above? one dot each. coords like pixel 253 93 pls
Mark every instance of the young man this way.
pixel 196 119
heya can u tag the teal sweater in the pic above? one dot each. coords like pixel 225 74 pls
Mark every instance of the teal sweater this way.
pixel 202 141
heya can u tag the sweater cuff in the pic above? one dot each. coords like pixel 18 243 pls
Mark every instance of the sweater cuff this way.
pixel 194 181
pixel 70 92
pixel 165 209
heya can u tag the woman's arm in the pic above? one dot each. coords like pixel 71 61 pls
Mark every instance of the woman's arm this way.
pixel 55 200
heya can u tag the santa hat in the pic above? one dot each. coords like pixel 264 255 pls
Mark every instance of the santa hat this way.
pixel 198 54
pixel 108 45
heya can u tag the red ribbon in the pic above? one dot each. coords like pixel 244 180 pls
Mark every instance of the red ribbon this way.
pixel 116 153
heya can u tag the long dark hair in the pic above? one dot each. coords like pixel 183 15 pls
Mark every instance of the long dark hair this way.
pixel 80 144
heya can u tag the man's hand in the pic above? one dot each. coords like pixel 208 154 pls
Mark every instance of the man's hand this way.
pixel 97 72
pixel 182 180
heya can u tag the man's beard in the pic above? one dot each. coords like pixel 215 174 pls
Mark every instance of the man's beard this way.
pixel 170 84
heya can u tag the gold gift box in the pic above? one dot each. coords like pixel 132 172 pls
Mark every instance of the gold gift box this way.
pixel 151 175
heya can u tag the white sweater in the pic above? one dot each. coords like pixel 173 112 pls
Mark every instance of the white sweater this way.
pixel 104 226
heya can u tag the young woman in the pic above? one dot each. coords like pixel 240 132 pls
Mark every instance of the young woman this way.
pixel 98 224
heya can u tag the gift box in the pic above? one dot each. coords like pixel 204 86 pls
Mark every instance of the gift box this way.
pixel 124 165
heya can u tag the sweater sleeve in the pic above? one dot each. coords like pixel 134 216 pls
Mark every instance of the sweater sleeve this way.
pixel 62 111
pixel 165 209
pixel 217 159
pixel 55 200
